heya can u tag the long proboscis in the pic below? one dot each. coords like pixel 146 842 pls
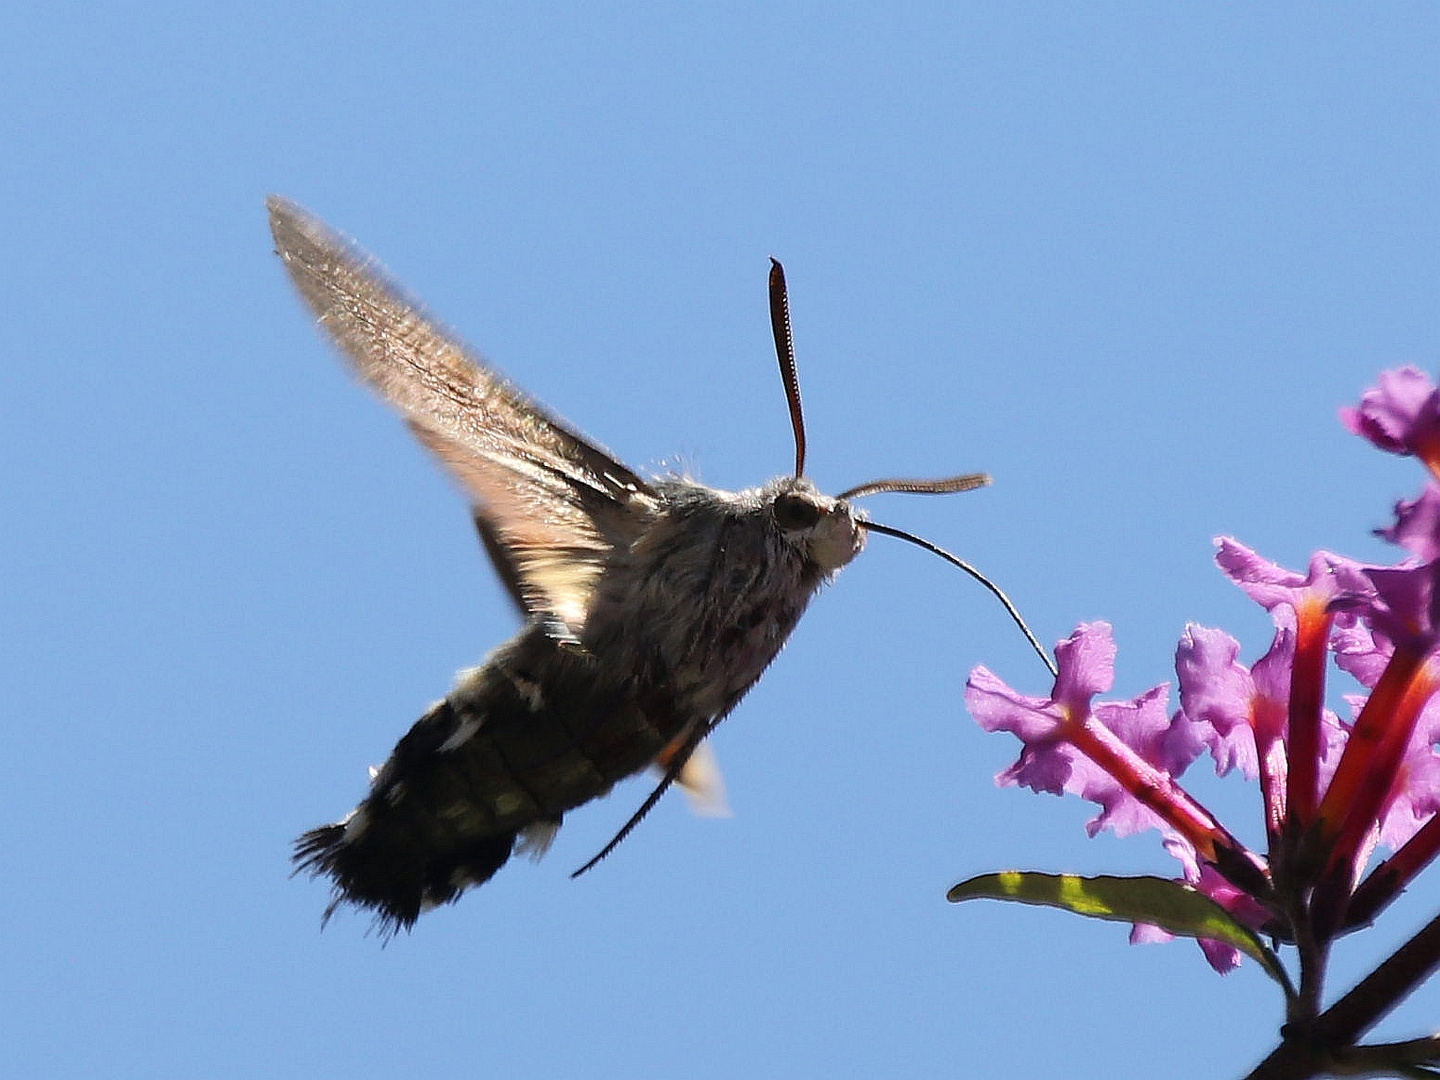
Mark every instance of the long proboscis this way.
pixel 955 560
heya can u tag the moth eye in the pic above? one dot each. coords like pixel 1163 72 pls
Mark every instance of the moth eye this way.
pixel 795 512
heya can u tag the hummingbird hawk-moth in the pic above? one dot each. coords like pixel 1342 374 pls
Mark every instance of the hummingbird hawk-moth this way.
pixel 651 605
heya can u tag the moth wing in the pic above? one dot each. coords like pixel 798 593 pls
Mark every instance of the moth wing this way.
pixel 699 778
pixel 551 505
pixel 501 560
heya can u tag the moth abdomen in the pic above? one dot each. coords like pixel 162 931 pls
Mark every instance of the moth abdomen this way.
pixel 523 739
pixel 389 874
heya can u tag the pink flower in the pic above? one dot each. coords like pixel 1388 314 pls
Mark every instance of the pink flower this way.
pixel 1116 754
pixel 1378 780
pixel 1417 525
pixel 1122 755
pixel 1401 415
pixel 1333 793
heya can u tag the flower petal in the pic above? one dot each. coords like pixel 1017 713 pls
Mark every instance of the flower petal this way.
pixel 1401 415
pixel 1216 691
pixel 1417 524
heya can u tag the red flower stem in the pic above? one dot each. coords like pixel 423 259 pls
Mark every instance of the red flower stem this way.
pixel 1428 451
pixel 1372 755
pixel 1154 788
pixel 1307 697
pixel 1267 722
pixel 1389 879
pixel 1384 732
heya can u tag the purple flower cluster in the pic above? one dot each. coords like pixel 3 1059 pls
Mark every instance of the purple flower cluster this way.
pixel 1333 788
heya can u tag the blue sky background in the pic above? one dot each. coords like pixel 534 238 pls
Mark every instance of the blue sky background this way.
pixel 1128 258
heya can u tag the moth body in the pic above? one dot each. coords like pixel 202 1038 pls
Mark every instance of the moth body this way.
pixel 683 622
pixel 650 606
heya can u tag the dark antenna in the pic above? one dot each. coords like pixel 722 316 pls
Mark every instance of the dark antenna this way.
pixel 785 352
pixel 955 560
pixel 947 486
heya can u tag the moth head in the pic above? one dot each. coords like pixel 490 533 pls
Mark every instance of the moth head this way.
pixel 831 532
pixel 825 529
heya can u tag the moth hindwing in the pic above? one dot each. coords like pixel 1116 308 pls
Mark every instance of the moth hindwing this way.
pixel 650 606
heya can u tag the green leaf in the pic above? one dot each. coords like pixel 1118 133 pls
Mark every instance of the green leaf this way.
pixel 1170 905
